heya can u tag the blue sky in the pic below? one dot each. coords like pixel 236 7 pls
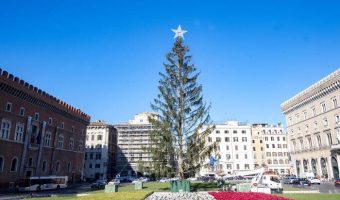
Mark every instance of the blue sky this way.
pixel 104 56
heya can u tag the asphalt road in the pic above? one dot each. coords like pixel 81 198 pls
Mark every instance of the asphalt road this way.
pixel 324 187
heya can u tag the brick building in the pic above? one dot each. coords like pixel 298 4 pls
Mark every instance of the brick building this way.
pixel 39 134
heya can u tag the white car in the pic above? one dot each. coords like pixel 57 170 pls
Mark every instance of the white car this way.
pixel 114 182
pixel 192 179
pixel 315 181
pixel 164 180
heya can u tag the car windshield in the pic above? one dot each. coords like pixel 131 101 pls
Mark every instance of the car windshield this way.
pixel 275 179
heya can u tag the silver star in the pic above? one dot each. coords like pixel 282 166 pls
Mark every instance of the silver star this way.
pixel 179 32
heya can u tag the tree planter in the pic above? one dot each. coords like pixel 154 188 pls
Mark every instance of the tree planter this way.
pixel 180 186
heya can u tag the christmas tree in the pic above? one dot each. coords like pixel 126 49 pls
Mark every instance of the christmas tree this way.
pixel 181 121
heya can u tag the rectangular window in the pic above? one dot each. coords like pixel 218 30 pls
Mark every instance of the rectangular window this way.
pixel 5 129
pixel 228 156
pixel 50 121
pixel 243 132
pixel 229 166
pixel 226 131
pixel 227 147
pixel 71 145
pixel 244 139
pixel 236 156
pixel 218 139
pixel 19 132
pixel 30 162
pixel 267 145
pixel 92 137
pixel 254 149
pixel 99 137
pixel 236 147
pixel 8 107
pixel 22 111
pixel 62 125
pixel 246 166
pixel 245 156
pixel 238 166
pixel 209 139
pixel 60 141
pixel 217 132
pixel 235 139
pixel 273 145
pixel 268 154
pixel 266 138
pixel 47 140
pixel 72 129
pixel 245 147
pixel 234 131
pixel 278 138
pixel 227 139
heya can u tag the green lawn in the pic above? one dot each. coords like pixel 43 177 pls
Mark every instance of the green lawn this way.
pixel 129 193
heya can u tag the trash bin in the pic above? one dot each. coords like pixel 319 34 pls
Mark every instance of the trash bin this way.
pixel 276 191
pixel 139 185
pixel 111 188
pixel 180 186
pixel 243 187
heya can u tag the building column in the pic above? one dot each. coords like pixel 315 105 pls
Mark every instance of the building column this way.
pixel 318 166
pixel 330 167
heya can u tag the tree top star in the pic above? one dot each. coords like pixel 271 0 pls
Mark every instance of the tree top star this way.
pixel 179 32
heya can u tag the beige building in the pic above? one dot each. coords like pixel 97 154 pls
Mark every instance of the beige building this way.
pixel 100 152
pixel 313 127
pixel 270 148
pixel 133 138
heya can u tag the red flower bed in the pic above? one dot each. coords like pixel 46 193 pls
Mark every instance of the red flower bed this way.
pixel 244 196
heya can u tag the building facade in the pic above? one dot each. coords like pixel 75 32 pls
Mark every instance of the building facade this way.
pixel 270 148
pixel 312 118
pixel 39 134
pixel 100 152
pixel 234 149
pixel 133 138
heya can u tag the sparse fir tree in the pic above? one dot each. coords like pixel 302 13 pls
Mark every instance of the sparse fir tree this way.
pixel 181 120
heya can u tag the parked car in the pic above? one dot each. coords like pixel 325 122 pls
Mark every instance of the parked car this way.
pixel 192 179
pixel 114 182
pixel 286 180
pixel 314 181
pixel 294 181
pixel 99 184
pixel 304 181
pixel 337 182
pixel 164 180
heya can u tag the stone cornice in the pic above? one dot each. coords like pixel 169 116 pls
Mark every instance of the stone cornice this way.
pixel 323 87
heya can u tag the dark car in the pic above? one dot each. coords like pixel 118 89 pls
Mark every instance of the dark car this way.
pixel 294 181
pixel 286 180
pixel 304 181
pixel 100 184
pixel 337 182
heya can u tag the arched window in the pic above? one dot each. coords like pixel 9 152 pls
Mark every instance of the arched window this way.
pixel 275 162
pixel 14 165
pixel 2 163
pixel 286 161
pixel 281 162
pixel 44 166
pixel 269 161
pixel 305 165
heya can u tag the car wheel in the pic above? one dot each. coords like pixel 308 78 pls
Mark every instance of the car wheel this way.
pixel 319 183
